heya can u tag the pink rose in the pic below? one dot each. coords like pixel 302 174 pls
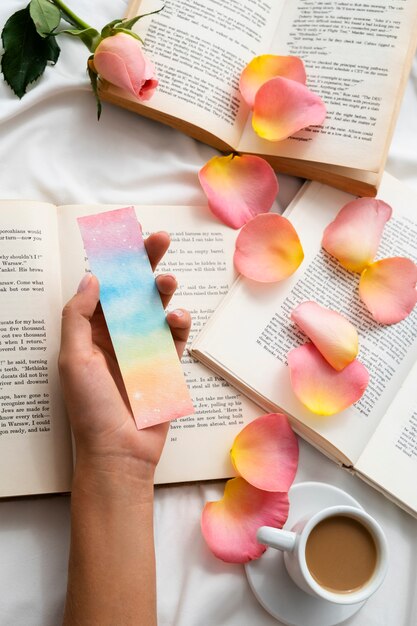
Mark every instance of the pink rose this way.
pixel 120 60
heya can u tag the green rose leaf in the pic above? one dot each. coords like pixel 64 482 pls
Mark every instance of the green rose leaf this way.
pixel 127 32
pixel 130 23
pixel 26 53
pixel 108 28
pixel 46 16
pixel 89 36
pixel 52 50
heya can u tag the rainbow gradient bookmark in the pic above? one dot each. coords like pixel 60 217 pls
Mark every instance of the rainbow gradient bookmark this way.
pixel 135 317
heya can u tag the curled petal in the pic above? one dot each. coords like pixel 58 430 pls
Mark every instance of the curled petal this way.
pixel 267 66
pixel 321 388
pixel 229 525
pixel 388 289
pixel 238 187
pixel 265 453
pixel 268 249
pixel 332 334
pixel 354 235
pixel 282 107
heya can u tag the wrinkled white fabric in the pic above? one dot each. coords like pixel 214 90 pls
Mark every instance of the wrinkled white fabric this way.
pixel 53 149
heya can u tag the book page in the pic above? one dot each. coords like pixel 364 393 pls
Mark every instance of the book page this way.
pixel 199 50
pixel 356 54
pixel 252 333
pixel 35 441
pixel 200 256
pixel 390 458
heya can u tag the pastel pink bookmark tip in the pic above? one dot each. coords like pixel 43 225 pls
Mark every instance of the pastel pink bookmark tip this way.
pixel 238 187
pixel 282 107
pixel 388 289
pixel 319 387
pixel 268 249
pixel 229 525
pixel 355 234
pixel 263 68
pixel 332 334
pixel 265 453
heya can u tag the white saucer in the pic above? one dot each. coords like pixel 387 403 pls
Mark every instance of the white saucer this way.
pixel 268 577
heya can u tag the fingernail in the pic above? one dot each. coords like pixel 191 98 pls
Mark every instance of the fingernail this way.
pixel 84 283
pixel 178 313
pixel 165 276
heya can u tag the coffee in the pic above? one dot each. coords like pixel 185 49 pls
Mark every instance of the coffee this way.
pixel 341 554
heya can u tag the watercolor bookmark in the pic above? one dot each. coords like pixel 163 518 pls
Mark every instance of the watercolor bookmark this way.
pixel 132 307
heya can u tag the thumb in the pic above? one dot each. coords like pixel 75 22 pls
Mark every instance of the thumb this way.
pixel 76 315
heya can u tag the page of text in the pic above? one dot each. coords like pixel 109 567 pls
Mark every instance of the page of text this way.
pixel 252 332
pixel 395 442
pixel 354 53
pixel 35 442
pixel 199 49
pixel 200 256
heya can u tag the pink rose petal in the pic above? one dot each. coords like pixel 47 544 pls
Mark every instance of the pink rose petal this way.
pixel 229 525
pixel 265 453
pixel 321 388
pixel 354 235
pixel 238 187
pixel 282 107
pixel 267 66
pixel 268 249
pixel 388 289
pixel 332 334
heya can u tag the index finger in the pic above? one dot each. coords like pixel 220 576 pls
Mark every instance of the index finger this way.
pixel 76 336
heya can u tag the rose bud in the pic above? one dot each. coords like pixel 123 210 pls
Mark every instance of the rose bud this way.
pixel 119 59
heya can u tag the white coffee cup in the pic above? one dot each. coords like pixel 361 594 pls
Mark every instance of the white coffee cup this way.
pixel 293 544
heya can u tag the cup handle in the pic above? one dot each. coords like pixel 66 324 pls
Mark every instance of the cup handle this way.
pixel 275 538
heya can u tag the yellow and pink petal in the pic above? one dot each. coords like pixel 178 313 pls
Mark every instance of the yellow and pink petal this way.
pixel 321 388
pixel 332 334
pixel 282 107
pixel 263 68
pixel 229 525
pixel 268 249
pixel 354 235
pixel 388 289
pixel 238 187
pixel 265 453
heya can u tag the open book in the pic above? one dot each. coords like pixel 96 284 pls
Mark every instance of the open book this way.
pixel 247 339
pixel 357 56
pixel 41 263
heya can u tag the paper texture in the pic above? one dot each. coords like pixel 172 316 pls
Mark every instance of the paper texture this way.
pixel 35 441
pixel 357 64
pixel 395 441
pixel 135 318
pixel 250 335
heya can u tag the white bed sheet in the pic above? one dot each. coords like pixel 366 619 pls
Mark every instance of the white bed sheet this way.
pixel 52 149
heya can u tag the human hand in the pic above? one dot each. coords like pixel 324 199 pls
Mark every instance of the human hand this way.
pixel 100 416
